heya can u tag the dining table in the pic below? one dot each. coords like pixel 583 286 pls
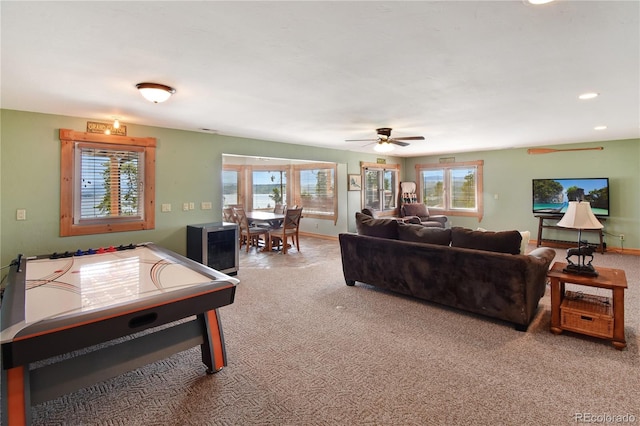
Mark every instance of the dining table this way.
pixel 271 219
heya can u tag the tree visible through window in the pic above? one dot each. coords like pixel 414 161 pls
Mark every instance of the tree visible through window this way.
pixel 452 188
pixel 380 186
pixel 109 183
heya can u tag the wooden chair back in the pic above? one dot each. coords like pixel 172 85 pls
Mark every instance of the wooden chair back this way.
pixel 292 218
pixel 228 215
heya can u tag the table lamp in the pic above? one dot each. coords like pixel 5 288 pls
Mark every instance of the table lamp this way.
pixel 579 216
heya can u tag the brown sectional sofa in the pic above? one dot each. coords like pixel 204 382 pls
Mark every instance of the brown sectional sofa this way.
pixel 479 272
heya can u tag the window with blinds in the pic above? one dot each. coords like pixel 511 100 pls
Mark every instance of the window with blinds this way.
pixel 316 191
pixel 107 183
pixel 110 183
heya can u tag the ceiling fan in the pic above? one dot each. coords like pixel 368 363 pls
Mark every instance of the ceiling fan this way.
pixel 384 140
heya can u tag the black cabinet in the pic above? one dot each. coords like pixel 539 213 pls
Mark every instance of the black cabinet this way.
pixel 215 245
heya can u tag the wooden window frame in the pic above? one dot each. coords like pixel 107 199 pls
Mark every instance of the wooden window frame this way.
pixel 297 195
pixel 391 167
pixel 478 212
pixel 68 183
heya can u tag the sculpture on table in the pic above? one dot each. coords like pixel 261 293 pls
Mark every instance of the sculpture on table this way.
pixel 581 267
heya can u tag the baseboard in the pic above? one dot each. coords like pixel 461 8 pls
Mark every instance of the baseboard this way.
pixel 609 248
pixel 324 237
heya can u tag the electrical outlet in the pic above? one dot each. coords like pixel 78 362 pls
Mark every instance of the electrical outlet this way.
pixel 205 205
pixel 621 237
pixel 185 207
pixel 21 214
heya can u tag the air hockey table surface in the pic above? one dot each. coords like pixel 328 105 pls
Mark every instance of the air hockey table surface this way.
pixel 60 303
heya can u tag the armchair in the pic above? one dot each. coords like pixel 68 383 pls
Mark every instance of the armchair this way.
pixel 407 219
pixel 422 212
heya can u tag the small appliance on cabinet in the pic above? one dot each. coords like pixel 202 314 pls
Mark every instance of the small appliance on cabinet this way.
pixel 215 245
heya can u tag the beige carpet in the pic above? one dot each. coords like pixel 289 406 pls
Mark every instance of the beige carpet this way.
pixel 305 349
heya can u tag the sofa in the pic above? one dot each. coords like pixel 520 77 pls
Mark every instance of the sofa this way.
pixel 479 272
pixel 421 211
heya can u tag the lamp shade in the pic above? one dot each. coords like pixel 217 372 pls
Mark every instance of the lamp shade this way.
pixel 579 216
pixel 154 92
pixel 383 147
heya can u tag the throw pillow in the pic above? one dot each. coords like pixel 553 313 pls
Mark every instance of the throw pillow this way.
pixel 501 242
pixel 415 209
pixel 526 237
pixel 381 228
pixel 424 234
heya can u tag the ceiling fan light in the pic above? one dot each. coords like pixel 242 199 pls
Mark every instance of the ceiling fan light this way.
pixel 154 92
pixel 383 147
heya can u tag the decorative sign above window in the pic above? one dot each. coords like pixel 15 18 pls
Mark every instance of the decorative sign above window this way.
pixel 106 128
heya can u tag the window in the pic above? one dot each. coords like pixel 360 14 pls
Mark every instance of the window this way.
pixel 315 190
pixel 271 181
pixel 269 188
pixel 452 188
pixel 107 183
pixel 230 187
pixel 380 187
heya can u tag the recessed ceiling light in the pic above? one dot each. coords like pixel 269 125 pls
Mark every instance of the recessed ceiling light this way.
pixel 600 128
pixel 589 95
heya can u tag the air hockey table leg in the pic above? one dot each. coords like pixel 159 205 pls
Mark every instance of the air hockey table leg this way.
pixel 214 355
pixel 16 403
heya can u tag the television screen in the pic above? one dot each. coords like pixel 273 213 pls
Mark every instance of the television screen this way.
pixel 552 196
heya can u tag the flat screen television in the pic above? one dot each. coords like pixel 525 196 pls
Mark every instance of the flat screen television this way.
pixel 552 196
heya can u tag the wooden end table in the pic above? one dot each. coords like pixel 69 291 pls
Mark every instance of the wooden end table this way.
pixel 592 315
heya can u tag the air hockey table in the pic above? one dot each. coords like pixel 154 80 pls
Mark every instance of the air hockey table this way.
pixel 70 320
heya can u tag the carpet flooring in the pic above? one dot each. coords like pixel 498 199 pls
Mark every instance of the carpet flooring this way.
pixel 305 349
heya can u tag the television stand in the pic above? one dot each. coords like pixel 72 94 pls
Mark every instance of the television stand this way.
pixel 542 225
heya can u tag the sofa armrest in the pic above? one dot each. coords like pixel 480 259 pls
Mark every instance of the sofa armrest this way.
pixel 411 219
pixel 543 253
pixel 438 218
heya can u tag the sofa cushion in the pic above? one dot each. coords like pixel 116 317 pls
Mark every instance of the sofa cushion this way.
pixel 423 234
pixel 415 209
pixel 501 242
pixel 381 228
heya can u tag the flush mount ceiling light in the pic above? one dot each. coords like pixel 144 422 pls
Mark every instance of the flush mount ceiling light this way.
pixel 154 92
pixel 536 2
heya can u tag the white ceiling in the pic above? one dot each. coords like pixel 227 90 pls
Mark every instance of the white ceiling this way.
pixel 466 75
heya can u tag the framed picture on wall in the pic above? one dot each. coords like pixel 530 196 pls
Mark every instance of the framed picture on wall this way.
pixel 355 182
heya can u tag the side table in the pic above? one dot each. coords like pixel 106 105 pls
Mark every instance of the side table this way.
pixel 591 315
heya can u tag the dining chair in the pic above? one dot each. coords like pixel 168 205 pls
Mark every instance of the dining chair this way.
pixel 279 209
pixel 249 234
pixel 228 216
pixel 290 228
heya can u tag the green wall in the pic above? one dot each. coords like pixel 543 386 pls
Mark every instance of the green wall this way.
pixel 508 174
pixel 188 168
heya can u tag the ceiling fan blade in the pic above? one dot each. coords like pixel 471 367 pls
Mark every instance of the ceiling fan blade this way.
pixel 410 138
pixel 397 142
pixel 361 140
